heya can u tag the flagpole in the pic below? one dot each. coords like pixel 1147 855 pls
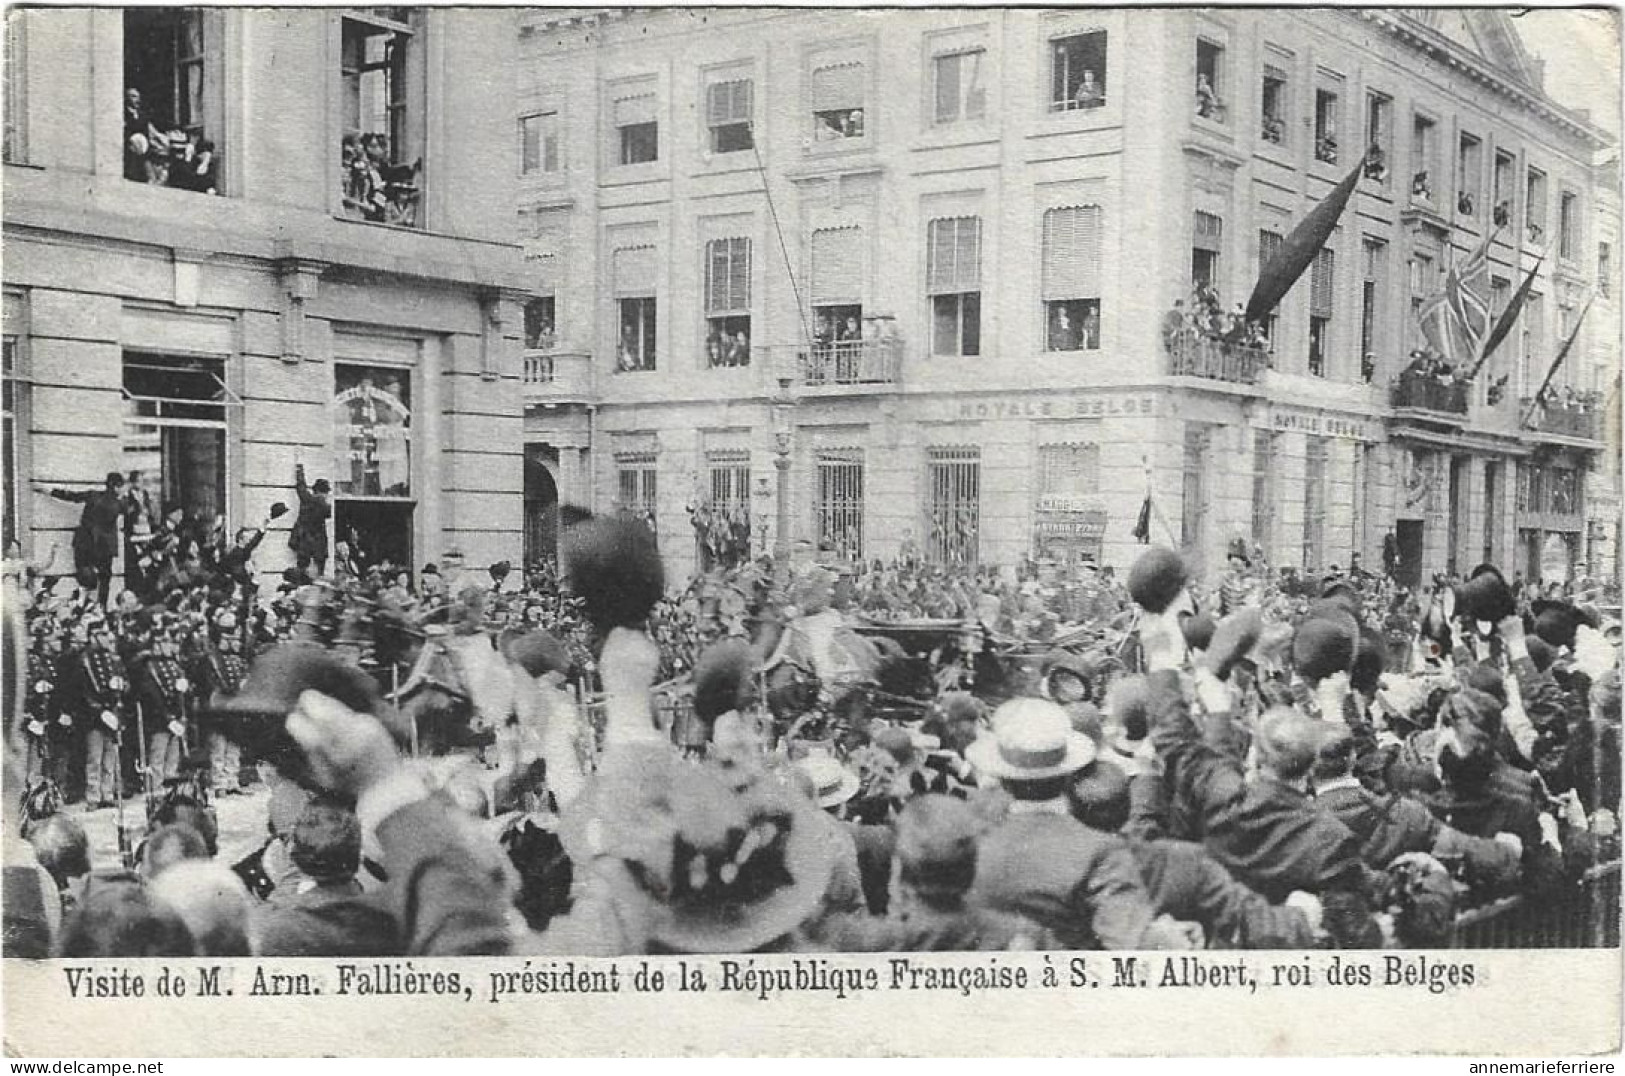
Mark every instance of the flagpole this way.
pixel 1562 354
pixel 1509 317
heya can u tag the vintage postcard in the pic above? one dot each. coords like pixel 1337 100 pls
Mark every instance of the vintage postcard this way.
pixel 537 531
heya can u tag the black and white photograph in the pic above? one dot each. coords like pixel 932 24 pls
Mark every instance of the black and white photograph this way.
pixel 572 485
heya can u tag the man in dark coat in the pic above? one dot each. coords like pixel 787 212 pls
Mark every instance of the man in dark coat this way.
pixel 95 540
pixel 308 538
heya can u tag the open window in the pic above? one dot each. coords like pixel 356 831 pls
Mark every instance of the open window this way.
pixel 637 129
pixel 1503 188
pixel 728 108
pixel 1469 166
pixel 1210 102
pixel 1273 106
pixel 1424 167
pixel 1326 148
pixel 954 285
pixel 381 149
pixel 959 92
pixel 1078 71
pixel 1071 278
pixel 174 431
pixel 171 107
pixel 539 144
pixel 838 100
pixel 1379 136
pixel 635 276
pixel 727 302
pixel 1568 225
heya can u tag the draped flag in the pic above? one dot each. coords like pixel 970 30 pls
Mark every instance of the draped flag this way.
pixel 1142 525
pixel 1557 364
pixel 1509 316
pixel 1457 319
pixel 1298 250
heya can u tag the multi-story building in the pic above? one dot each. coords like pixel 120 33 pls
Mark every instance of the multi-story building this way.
pixel 237 240
pixel 922 261
pixel 1601 378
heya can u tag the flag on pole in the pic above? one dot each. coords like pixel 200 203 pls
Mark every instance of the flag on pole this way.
pixel 1457 319
pixel 1142 525
pixel 1557 363
pixel 1298 250
pixel 1509 316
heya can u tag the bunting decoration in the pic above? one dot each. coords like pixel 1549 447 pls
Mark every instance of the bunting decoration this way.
pixel 1298 250
pixel 1509 316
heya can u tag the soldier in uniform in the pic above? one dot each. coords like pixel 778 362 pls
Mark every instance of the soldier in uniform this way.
pixel 92 691
pixel 162 690
pixel 218 670
pixel 40 701
pixel 1241 587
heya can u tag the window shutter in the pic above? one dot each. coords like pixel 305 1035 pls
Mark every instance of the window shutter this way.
pixel 1269 245
pixel 1320 288
pixel 839 86
pixel 837 265
pixel 634 269
pixel 727 276
pixel 630 110
pixel 729 102
pixel 954 255
pixel 1208 232
pixel 1072 253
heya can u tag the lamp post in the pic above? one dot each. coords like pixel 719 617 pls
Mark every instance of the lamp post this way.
pixel 783 418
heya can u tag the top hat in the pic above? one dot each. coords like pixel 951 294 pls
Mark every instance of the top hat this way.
pixel 1323 646
pixel 1032 740
pixel 1157 578
pixel 1485 595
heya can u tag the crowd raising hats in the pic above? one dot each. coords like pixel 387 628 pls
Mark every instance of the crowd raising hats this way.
pixel 822 756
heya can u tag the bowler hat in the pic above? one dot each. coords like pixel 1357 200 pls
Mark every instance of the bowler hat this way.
pixel 1156 579
pixel 1233 639
pixel 1485 596
pixel 1032 740
pixel 1323 646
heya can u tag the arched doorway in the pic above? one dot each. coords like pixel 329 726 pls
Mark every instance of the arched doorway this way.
pixel 541 504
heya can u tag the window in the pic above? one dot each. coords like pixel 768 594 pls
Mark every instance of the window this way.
pixel 723 522
pixel 1321 305
pixel 10 446
pixel 634 270
pixel 1502 192
pixel 1193 491
pixel 16 105
pixel 174 432
pixel 539 143
pixel 953 280
pixel 1423 132
pixel 1273 107
pixel 1534 206
pixel 1269 245
pixel 1568 225
pixel 1210 80
pixel 1534 342
pixel 1527 491
pixel 1562 491
pixel 953 523
pixel 1078 71
pixel 1469 166
pixel 637 129
pixel 1605 269
pixel 1374 255
pixel 1314 504
pixel 959 91
pixel 1419 285
pixel 1071 278
pixel 1207 243
pixel 837 287
pixel 168 90
pixel 727 302
pixel 728 108
pixel 1326 126
pixel 635 486
pixel 1263 487
pixel 383 119
pixel 1379 136
pixel 541 331
pixel 838 502
pixel 838 101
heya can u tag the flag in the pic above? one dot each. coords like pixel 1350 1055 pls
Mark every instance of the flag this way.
pixel 1457 319
pixel 1142 525
pixel 1298 250
pixel 1557 363
pixel 1509 316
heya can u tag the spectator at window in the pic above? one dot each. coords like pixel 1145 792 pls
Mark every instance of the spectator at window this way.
pixel 1376 164
pixel 1088 94
pixel 1420 187
pixel 1464 203
pixel 1502 214
pixel 739 349
pixel 1173 325
pixel 1207 98
pixel 713 349
pixel 139 135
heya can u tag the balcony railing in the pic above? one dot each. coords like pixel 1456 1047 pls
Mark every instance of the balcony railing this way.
pixel 1579 416
pixel 1427 392
pixel 1194 354
pixel 851 362
pixel 557 377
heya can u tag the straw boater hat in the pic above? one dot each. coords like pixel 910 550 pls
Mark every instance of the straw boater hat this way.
pixel 832 783
pixel 1032 740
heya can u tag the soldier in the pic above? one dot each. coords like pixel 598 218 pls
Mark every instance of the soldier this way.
pixel 161 690
pixel 1240 587
pixel 92 692
pixel 40 701
pixel 218 671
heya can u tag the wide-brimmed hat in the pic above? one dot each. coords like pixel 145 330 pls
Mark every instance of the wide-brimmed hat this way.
pixel 715 862
pixel 1156 579
pixel 832 783
pixel 1032 740
pixel 1485 595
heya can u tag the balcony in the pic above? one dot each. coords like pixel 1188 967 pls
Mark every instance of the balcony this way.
pixel 1194 354
pixel 1577 415
pixel 1430 396
pixel 851 363
pixel 552 378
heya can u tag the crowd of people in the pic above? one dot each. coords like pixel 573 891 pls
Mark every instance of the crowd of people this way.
pixel 166 155
pixel 374 185
pixel 1260 759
